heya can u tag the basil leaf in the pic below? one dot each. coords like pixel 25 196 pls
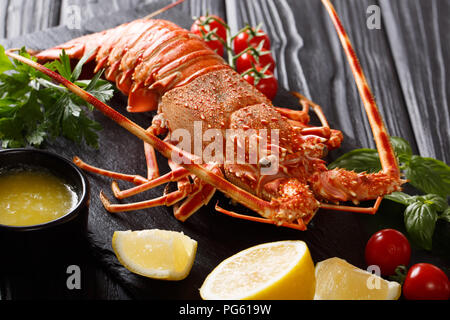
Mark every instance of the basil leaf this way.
pixel 445 215
pixel 359 160
pixel 429 175
pixel 400 197
pixel 402 148
pixel 439 203
pixel 420 222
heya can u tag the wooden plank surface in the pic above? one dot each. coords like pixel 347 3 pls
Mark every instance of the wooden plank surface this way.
pixel 405 62
pixel 418 36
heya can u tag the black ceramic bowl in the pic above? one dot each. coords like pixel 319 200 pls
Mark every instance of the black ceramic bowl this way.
pixel 50 237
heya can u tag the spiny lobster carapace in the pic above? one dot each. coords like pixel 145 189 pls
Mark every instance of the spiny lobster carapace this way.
pixel 162 66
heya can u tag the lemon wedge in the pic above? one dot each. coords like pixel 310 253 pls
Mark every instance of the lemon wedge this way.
pixel 158 254
pixel 336 279
pixel 275 270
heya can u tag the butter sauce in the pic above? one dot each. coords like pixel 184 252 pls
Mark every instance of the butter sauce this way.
pixel 32 196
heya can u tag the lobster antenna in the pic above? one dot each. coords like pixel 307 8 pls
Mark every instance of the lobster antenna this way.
pixel 387 156
pixel 157 12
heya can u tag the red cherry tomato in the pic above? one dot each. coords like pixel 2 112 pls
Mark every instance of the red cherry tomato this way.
pixel 267 85
pixel 247 60
pixel 216 46
pixel 214 24
pixel 244 40
pixel 425 281
pixel 388 248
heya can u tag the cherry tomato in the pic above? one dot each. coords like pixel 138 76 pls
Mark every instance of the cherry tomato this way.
pixel 247 60
pixel 214 24
pixel 216 46
pixel 244 40
pixel 388 248
pixel 425 281
pixel 267 85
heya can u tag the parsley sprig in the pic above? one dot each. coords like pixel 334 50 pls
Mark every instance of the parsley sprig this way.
pixel 430 176
pixel 34 109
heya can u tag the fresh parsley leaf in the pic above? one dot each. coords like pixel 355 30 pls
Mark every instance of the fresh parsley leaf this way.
pixel 101 89
pixel 62 66
pixel 79 67
pixel 22 122
pixel 33 108
pixel 5 63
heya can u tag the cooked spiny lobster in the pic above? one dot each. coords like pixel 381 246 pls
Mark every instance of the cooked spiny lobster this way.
pixel 163 67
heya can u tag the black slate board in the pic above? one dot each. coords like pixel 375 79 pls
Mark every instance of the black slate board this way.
pixel 330 233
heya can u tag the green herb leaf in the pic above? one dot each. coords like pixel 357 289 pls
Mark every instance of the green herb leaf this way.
pixel 445 215
pixel 359 160
pixel 5 63
pixel 434 200
pixel 402 148
pixel 400 197
pixel 33 108
pixel 429 175
pixel 79 67
pixel 62 66
pixel 420 221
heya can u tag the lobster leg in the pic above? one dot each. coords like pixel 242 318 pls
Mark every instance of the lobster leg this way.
pixel 197 199
pixel 300 225
pixel 300 119
pixel 370 210
pixel 150 157
pixel 194 202
pixel 174 175
pixel 306 103
pixel 135 179
pixel 298 116
pixel 165 200
pixel 152 165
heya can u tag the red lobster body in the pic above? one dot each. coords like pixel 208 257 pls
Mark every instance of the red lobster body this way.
pixel 162 66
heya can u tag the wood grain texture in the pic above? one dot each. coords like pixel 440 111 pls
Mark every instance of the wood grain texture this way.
pixel 420 45
pixel 19 17
pixel 310 60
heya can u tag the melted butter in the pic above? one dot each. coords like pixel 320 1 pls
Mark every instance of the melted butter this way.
pixel 31 197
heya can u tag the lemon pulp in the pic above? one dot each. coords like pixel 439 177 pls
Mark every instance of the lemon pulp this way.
pixel 31 197
pixel 159 254
pixel 276 270
pixel 339 280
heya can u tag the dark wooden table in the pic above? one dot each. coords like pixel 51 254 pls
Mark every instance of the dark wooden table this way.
pixel 405 57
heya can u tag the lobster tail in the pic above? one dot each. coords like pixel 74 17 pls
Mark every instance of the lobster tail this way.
pixel 145 58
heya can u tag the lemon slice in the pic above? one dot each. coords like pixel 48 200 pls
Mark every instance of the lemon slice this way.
pixel 336 279
pixel 158 254
pixel 276 270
